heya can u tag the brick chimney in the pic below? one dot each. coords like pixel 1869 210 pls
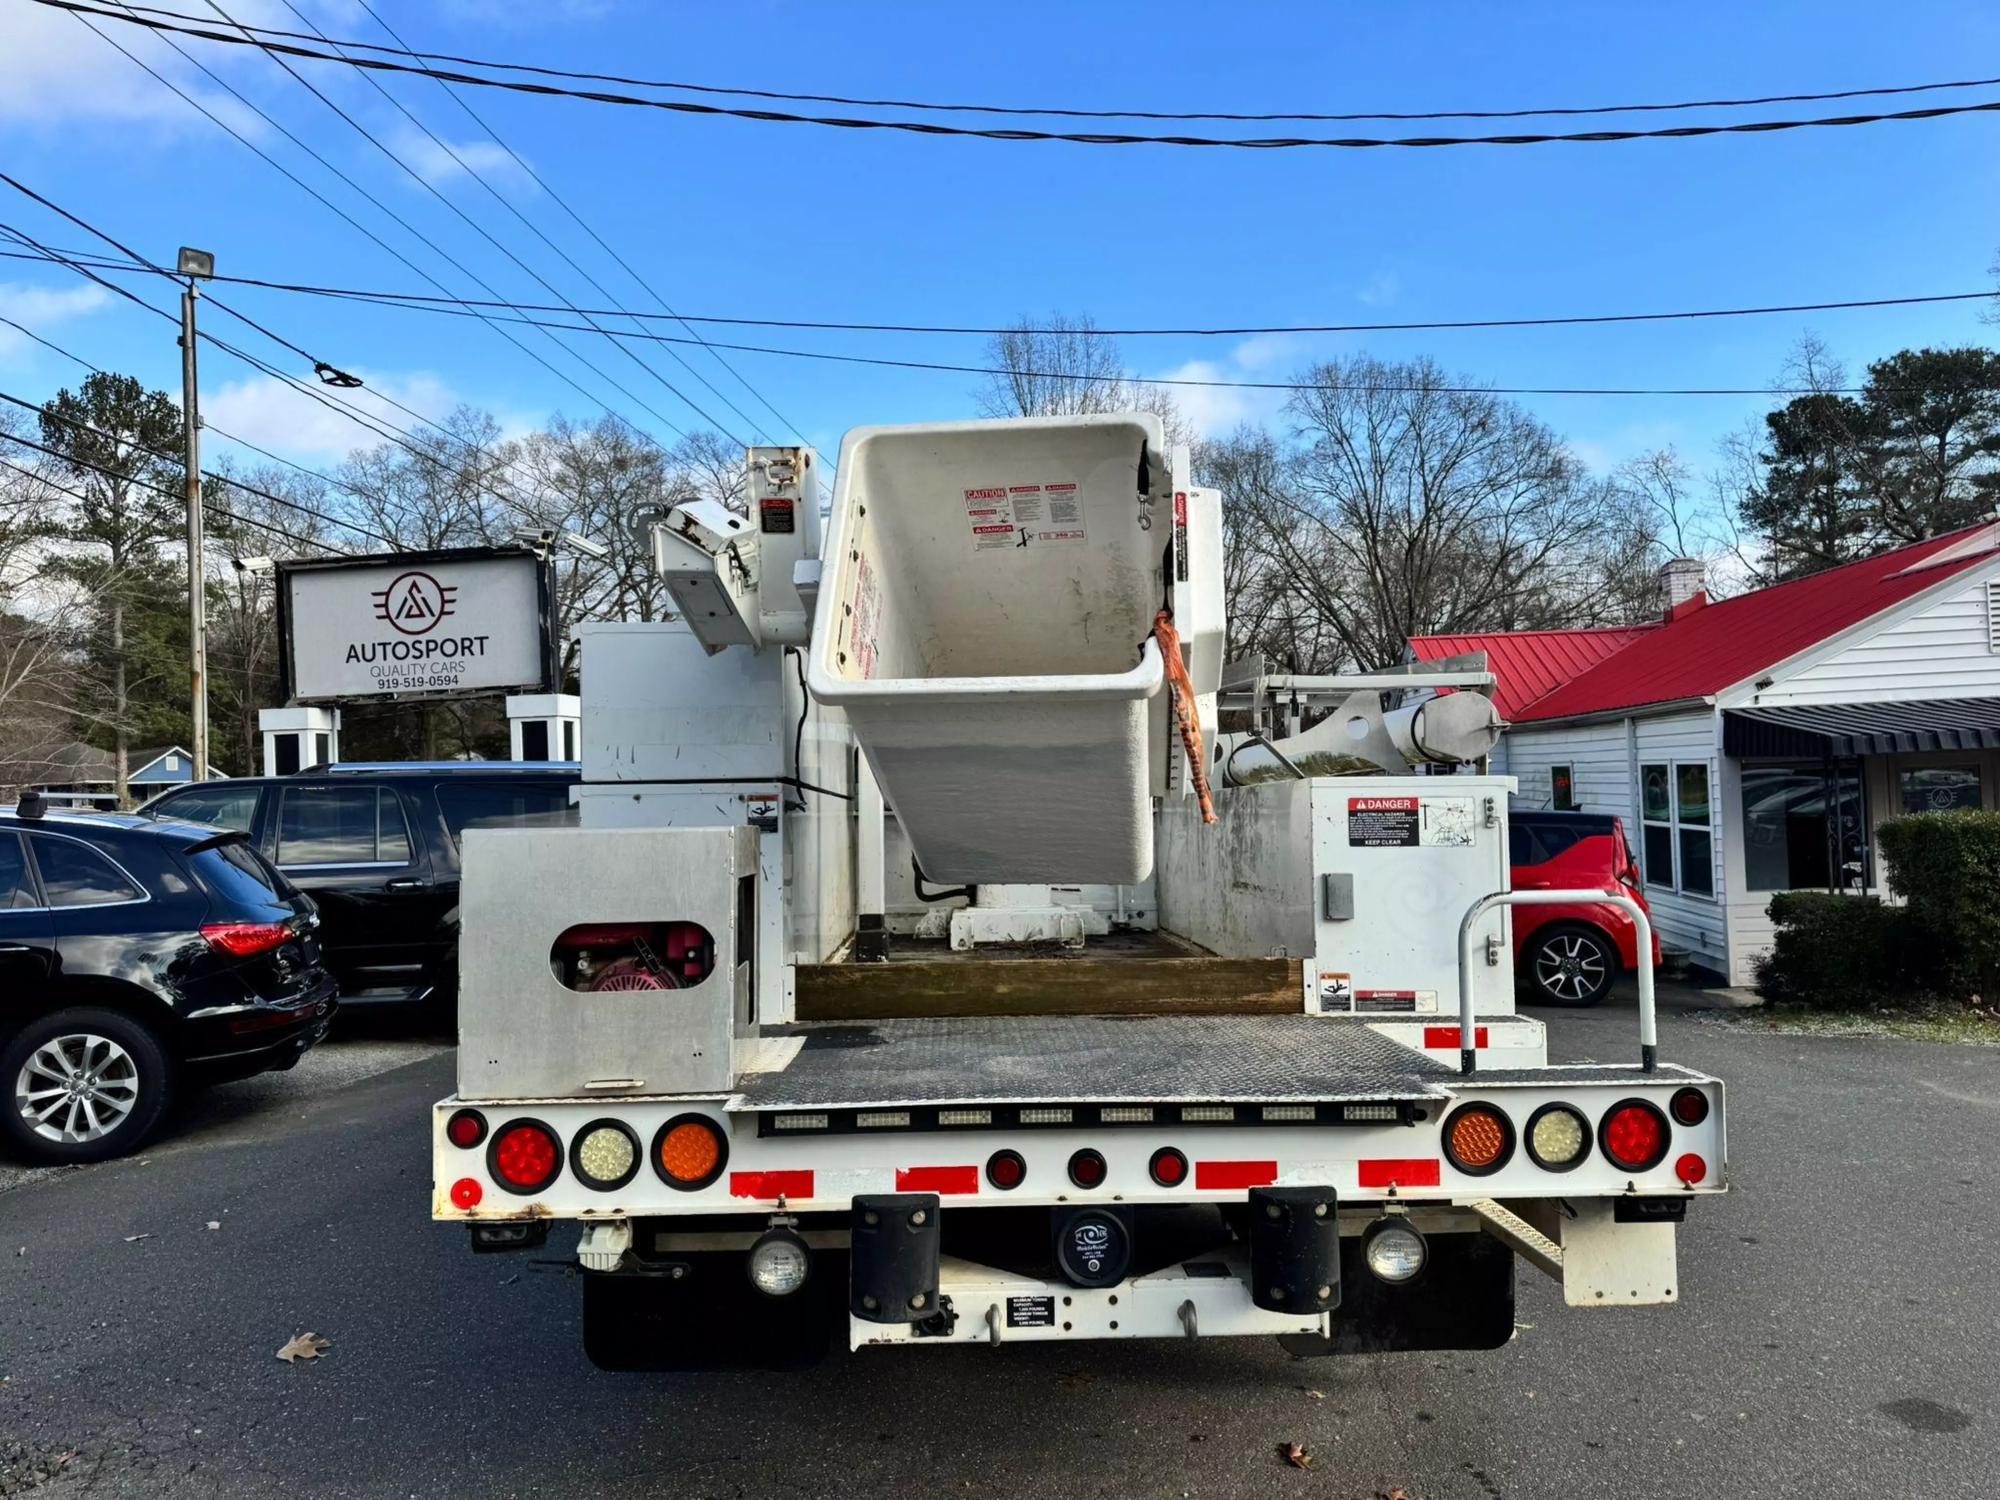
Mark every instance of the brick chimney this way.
pixel 1683 580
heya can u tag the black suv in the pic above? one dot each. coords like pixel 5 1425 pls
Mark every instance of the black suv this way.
pixel 137 955
pixel 377 846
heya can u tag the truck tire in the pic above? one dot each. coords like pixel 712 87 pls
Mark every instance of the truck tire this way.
pixel 1569 964
pixel 82 1085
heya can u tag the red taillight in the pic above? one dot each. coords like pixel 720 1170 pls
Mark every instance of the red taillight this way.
pixel 1689 1106
pixel 246 939
pixel 525 1156
pixel 1691 1169
pixel 1086 1169
pixel 1633 1135
pixel 1168 1167
pixel 465 1129
pixel 1006 1170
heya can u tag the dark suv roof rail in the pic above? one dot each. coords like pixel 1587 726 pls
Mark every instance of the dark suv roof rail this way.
pixel 468 767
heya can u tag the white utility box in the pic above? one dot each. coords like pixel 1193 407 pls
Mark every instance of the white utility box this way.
pixel 1363 877
pixel 985 620
pixel 579 946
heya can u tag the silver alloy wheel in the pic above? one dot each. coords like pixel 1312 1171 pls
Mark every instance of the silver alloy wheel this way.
pixel 76 1088
pixel 1570 966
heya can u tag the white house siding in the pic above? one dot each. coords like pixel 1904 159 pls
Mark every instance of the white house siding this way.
pixel 1937 651
pixel 1695 925
pixel 1603 759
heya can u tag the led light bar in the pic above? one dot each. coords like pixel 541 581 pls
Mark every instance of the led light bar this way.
pixel 1126 1114
pixel 1288 1112
pixel 800 1122
pixel 965 1117
pixel 882 1119
pixel 1370 1112
pixel 1046 1115
pixel 1207 1114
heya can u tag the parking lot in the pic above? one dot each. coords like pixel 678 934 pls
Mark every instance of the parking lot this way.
pixel 1836 1334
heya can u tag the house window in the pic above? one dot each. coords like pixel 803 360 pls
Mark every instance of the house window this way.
pixel 1941 789
pixel 1676 832
pixel 1804 826
pixel 1562 788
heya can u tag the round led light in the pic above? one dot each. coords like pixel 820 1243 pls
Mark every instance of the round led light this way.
pixel 1558 1138
pixel 524 1156
pixel 1634 1135
pixel 1169 1168
pixel 779 1263
pixel 689 1152
pixel 466 1128
pixel 466 1193
pixel 1689 1106
pixel 1087 1169
pixel 1006 1170
pixel 1478 1139
pixel 604 1155
pixel 1394 1251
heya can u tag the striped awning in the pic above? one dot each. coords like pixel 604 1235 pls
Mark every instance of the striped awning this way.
pixel 1863 728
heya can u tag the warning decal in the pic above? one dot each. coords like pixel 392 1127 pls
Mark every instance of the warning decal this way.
pixel 1336 991
pixel 1382 822
pixel 1393 1002
pixel 1024 515
pixel 867 614
pixel 1031 1312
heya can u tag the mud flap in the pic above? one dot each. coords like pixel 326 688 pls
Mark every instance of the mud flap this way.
pixel 1606 1263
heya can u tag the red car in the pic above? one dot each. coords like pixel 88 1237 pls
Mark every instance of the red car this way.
pixel 1569 955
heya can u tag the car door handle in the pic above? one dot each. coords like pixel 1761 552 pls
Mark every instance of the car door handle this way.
pixel 406 883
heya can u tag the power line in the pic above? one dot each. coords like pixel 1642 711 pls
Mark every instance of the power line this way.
pixel 1066 112
pixel 563 203
pixel 1565 320
pixel 925 127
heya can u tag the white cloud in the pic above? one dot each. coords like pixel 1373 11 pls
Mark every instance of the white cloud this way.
pixel 1381 289
pixel 440 161
pixel 1606 451
pixel 40 308
pixel 1215 411
pixel 274 415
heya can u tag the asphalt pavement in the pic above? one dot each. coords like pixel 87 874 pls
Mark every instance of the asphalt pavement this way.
pixel 1838 1335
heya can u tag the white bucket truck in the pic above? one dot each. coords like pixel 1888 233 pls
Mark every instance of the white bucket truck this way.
pixel 900 975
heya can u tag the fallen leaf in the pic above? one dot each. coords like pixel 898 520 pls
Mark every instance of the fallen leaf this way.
pixel 304 1346
pixel 1295 1455
pixel 215 1223
pixel 1314 1395
pixel 133 1239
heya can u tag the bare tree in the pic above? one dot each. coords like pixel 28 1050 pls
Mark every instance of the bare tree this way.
pixel 1063 367
pixel 441 488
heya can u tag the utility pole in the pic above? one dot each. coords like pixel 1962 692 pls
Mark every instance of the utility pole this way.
pixel 195 264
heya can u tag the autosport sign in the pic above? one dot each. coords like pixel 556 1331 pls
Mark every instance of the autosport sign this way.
pixel 415 623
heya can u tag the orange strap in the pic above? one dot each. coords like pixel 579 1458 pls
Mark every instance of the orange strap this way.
pixel 1187 712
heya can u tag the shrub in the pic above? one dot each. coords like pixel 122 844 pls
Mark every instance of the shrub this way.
pixel 1833 952
pixel 1946 866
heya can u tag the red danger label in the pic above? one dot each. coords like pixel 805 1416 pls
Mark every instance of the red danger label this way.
pixel 1381 804
pixel 986 494
pixel 1382 822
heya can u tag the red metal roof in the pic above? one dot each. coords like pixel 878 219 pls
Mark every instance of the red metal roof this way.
pixel 1531 663
pixel 1557 674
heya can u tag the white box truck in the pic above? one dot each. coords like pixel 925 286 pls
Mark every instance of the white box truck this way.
pixel 919 964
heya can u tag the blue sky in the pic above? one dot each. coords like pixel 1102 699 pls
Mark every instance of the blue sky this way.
pixel 731 217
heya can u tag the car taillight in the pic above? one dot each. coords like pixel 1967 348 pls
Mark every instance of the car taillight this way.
pixel 1169 1168
pixel 1006 1170
pixel 525 1156
pixel 246 939
pixel 1633 1135
pixel 1478 1139
pixel 465 1129
pixel 689 1152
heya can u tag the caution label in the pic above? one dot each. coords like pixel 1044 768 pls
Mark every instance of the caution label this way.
pixel 1024 515
pixel 1395 1002
pixel 1336 991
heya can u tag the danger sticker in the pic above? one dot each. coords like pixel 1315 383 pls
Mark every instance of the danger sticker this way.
pixel 1382 822
pixel 866 620
pixel 1395 1002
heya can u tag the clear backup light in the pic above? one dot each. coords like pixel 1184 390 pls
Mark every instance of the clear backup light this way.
pixel 1394 1251
pixel 779 1263
pixel 1558 1138
pixel 604 1155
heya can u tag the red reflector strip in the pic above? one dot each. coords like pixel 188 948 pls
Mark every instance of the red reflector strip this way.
pixel 937 1179
pixel 770 1184
pixel 1235 1174
pixel 1445 1038
pixel 1416 1171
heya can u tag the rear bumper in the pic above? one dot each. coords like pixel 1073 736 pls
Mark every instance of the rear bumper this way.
pixel 238 1041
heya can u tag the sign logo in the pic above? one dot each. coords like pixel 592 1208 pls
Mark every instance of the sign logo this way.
pixel 415 603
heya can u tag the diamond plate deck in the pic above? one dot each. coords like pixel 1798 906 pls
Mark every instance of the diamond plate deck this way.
pixel 1108 1059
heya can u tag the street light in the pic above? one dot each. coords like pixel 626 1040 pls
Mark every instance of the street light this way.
pixel 195 265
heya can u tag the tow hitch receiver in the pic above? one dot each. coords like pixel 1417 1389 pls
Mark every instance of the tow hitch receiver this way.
pixel 1294 1249
pixel 893 1257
